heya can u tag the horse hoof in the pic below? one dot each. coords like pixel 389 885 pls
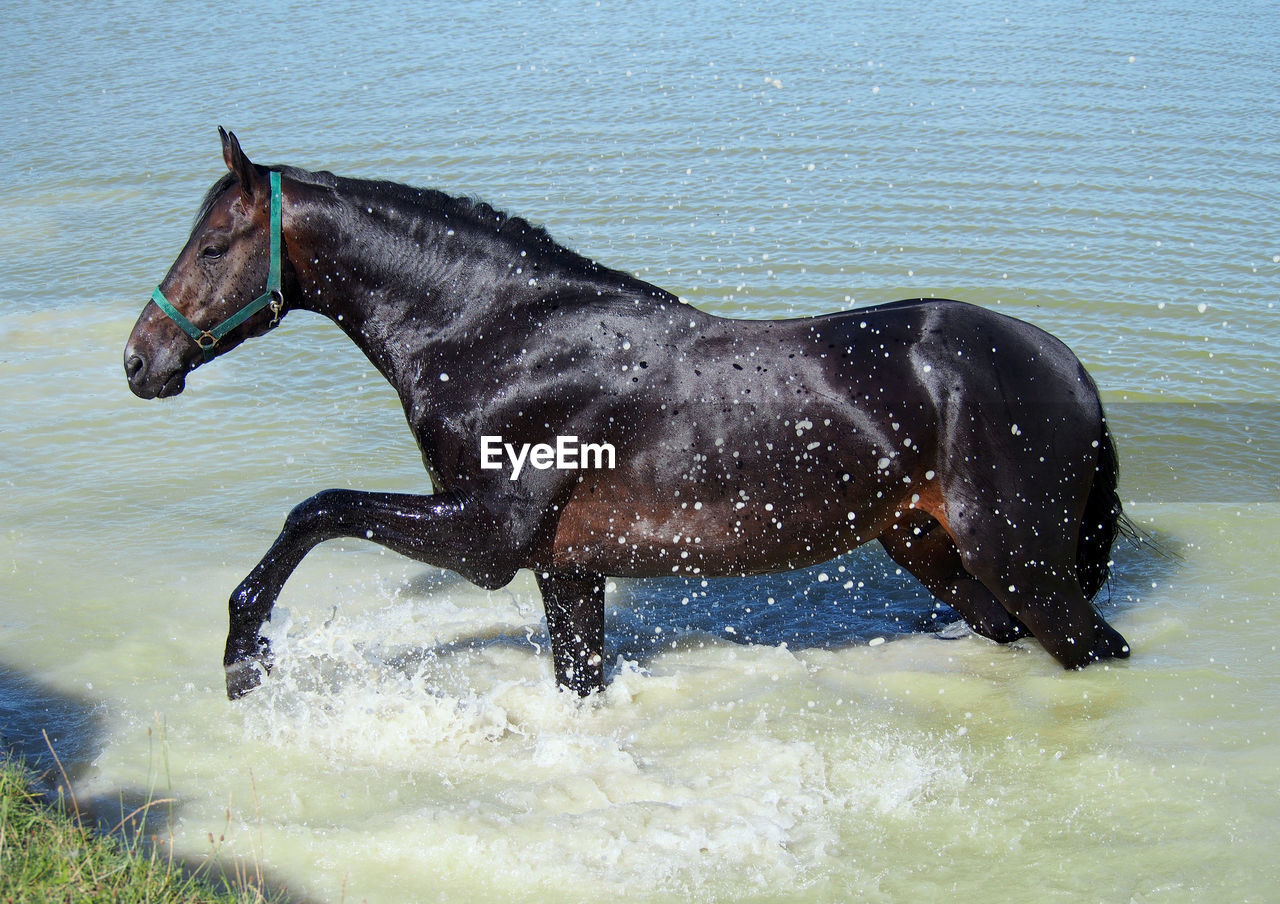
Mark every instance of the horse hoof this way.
pixel 1111 644
pixel 244 676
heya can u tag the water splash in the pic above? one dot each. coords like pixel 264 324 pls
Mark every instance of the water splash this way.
pixel 682 773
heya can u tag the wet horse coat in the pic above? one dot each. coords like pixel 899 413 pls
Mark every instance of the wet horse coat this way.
pixel 973 446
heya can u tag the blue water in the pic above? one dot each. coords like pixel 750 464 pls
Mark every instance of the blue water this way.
pixel 1110 172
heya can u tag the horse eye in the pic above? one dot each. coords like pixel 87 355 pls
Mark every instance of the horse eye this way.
pixel 213 252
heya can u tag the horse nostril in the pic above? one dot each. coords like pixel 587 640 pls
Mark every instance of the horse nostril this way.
pixel 133 366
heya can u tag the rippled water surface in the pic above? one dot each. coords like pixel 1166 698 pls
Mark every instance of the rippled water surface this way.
pixel 1110 174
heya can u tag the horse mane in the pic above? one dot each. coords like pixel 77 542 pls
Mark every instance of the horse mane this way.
pixel 467 212
pixel 213 194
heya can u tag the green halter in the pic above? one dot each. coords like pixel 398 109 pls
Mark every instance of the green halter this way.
pixel 207 339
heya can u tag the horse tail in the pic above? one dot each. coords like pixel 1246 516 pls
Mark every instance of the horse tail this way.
pixel 1103 518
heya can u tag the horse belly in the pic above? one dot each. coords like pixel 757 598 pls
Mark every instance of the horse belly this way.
pixel 716 527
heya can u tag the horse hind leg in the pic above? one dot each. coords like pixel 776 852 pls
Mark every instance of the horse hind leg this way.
pixel 921 546
pixel 1054 607
pixel 1036 583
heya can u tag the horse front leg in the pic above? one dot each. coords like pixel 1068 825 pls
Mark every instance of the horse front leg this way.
pixel 444 530
pixel 574 603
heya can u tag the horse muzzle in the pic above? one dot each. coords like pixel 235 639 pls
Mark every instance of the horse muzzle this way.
pixel 149 382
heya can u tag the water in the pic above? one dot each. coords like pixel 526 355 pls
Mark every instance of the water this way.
pixel 1110 174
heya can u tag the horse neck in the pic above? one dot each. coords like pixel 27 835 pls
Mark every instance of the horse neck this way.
pixel 400 283
pixel 394 286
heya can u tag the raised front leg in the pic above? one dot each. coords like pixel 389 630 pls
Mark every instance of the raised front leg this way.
pixel 574 603
pixel 446 531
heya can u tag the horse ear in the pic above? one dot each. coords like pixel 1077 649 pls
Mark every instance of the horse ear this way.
pixel 238 162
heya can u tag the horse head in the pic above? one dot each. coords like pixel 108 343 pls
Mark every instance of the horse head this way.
pixel 224 287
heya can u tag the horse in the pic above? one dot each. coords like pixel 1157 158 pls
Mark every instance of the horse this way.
pixel 973 446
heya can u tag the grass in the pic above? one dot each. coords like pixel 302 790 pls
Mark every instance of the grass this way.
pixel 48 854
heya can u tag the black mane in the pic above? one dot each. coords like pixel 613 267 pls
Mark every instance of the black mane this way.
pixel 460 211
pixel 213 194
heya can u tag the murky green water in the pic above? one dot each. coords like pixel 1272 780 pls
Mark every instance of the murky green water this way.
pixel 1110 175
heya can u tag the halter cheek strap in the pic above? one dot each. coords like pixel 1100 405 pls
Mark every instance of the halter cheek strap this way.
pixel 273 296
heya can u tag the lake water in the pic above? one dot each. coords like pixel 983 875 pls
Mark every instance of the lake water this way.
pixel 1109 172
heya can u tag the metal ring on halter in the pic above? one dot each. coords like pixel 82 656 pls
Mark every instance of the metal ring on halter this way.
pixel 277 305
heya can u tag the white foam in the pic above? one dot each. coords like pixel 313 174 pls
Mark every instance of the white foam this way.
pixel 684 771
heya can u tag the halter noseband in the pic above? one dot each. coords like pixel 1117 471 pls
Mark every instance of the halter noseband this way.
pixel 272 296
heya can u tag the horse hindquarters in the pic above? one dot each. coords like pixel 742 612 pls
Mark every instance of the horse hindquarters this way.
pixel 1024 457
pixel 1021 543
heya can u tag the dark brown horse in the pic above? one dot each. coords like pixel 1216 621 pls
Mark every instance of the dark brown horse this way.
pixel 971 445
